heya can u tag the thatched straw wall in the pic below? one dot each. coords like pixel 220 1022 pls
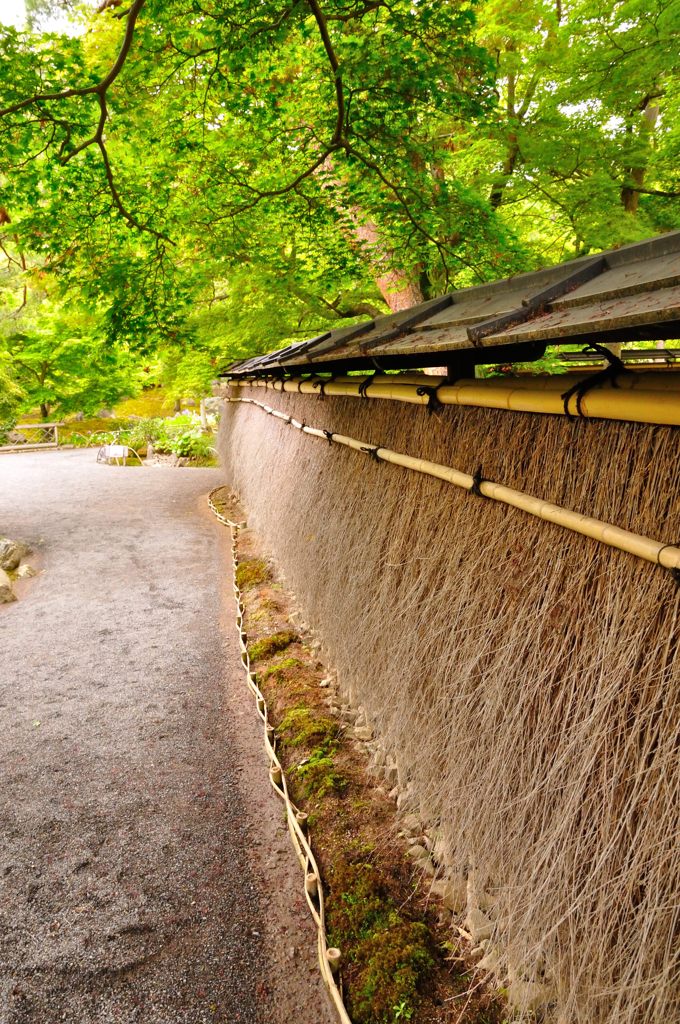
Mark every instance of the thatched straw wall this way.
pixel 527 676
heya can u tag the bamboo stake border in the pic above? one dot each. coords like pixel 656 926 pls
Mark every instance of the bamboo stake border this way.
pixel 657 552
pixel 329 957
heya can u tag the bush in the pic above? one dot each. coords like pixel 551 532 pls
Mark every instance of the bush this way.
pixel 181 435
pixel 6 427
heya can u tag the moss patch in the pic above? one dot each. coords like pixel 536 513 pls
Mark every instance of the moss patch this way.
pixel 302 726
pixel 391 954
pixel 282 670
pixel 271 645
pixel 252 573
pixel 318 773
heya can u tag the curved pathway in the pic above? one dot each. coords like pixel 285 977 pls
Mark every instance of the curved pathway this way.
pixel 145 872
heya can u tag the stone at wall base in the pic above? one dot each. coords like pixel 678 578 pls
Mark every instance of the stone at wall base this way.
pixel 528 996
pixel 11 553
pixel 6 592
pixel 479 925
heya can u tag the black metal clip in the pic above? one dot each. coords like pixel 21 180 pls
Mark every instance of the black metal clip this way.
pixel 477 481
pixel 365 384
pixel 372 452
pixel 582 387
pixel 433 403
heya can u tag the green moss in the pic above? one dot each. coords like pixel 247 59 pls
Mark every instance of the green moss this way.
pixel 280 669
pixel 318 773
pixel 391 954
pixel 301 726
pixel 271 645
pixel 251 573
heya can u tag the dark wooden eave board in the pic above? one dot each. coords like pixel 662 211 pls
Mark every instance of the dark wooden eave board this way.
pixel 626 294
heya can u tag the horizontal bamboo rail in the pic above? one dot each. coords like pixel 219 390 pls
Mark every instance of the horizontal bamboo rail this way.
pixel 657 552
pixel 639 398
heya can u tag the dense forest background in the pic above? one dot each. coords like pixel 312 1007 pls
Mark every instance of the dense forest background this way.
pixel 185 182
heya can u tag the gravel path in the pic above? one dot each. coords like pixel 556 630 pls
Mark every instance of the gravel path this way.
pixel 145 872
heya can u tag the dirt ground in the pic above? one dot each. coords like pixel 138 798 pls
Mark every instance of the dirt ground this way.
pixel 145 870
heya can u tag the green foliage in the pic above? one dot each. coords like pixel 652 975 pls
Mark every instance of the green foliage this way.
pixel 180 435
pixel 266 173
pixel 392 955
pixel 272 644
pixel 10 392
pixel 54 356
pixel 547 364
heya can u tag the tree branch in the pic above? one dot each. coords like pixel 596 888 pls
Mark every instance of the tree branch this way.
pixel 97 139
pixel 339 132
pixel 88 90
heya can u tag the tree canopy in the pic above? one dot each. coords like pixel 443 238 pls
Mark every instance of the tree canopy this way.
pixel 208 178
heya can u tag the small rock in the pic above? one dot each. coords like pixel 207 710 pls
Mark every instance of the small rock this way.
pixel 379 759
pixel 6 592
pixel 452 892
pixel 391 775
pixel 528 996
pixel 405 801
pixel 11 553
pixel 417 852
pixel 440 851
pixel 445 918
pixel 479 925
pixel 25 572
pixel 324 684
pixel 411 824
pixel 490 961
pixel 364 733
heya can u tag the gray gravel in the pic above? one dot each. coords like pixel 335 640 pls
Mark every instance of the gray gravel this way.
pixel 145 873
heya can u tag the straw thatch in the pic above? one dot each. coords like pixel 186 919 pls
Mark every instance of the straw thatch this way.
pixel 526 676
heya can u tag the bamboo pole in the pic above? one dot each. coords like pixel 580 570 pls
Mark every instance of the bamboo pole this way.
pixel 657 552
pixel 639 398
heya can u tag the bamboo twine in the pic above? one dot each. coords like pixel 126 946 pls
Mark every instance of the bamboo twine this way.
pixel 297 820
pixel 639 398
pixel 657 552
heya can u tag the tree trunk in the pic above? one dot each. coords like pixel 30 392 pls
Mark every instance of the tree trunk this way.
pixel 399 288
pixel 44 410
pixel 630 195
pixel 498 188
